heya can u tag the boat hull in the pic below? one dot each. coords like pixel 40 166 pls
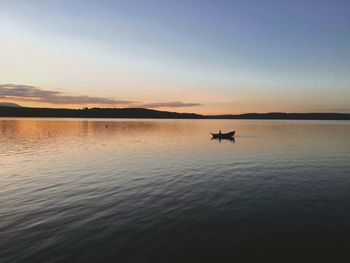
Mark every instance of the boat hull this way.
pixel 228 135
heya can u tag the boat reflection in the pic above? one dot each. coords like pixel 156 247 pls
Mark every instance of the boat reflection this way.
pixel 232 139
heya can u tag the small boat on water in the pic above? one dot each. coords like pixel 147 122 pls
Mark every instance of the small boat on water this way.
pixel 220 135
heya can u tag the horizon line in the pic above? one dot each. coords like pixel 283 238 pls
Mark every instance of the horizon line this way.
pixel 175 112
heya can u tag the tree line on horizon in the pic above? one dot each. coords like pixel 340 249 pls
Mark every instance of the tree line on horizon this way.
pixel 10 111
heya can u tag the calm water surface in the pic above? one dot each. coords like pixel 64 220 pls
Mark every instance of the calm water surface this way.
pixel 162 191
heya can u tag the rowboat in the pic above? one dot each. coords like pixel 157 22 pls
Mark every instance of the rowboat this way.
pixel 228 135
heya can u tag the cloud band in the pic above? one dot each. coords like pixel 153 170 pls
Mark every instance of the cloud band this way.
pixel 39 95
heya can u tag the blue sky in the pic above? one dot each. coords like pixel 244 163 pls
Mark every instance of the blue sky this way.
pixel 216 56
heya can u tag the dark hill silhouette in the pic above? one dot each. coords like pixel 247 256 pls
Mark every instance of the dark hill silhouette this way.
pixel 95 113
pixel 155 114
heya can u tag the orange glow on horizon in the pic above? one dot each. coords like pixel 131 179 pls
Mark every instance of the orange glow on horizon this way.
pixel 212 109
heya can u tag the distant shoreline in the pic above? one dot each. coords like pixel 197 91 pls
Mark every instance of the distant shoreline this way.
pixel 142 113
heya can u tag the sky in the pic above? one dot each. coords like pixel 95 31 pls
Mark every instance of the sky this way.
pixel 210 57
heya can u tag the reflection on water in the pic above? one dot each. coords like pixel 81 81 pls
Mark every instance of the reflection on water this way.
pixel 232 139
pixel 163 190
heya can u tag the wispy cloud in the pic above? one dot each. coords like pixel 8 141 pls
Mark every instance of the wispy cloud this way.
pixel 172 104
pixel 36 94
pixel 39 95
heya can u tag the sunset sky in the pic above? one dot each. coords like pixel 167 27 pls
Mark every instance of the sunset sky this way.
pixel 199 56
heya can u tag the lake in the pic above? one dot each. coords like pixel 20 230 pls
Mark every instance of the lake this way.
pixel 85 190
